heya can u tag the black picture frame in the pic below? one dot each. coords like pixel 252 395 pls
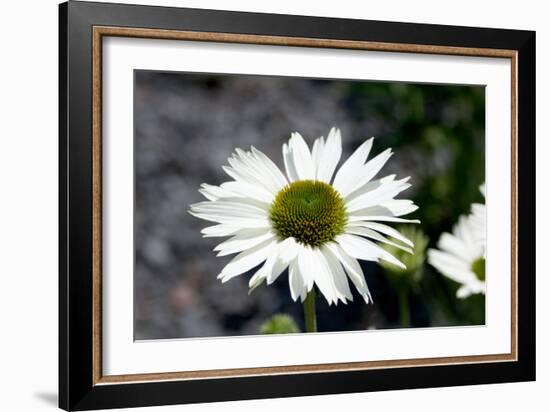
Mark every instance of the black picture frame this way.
pixel 77 390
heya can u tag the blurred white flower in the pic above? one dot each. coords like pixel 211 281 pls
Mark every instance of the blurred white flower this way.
pixel 306 221
pixel 462 254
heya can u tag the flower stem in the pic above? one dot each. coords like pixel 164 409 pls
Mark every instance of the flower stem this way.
pixel 309 312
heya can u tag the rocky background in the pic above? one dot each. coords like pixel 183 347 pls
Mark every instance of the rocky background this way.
pixel 187 125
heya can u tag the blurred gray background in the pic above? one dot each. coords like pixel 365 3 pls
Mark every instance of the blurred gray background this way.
pixel 187 125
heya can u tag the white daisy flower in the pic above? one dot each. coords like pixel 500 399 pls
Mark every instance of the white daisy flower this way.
pixel 307 221
pixel 462 254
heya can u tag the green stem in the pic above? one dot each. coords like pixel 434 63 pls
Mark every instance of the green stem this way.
pixel 403 296
pixel 309 312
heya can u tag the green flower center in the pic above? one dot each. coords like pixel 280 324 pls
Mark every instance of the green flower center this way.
pixel 478 267
pixel 310 211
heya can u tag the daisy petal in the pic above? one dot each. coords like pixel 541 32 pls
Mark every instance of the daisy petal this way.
pixel 283 253
pixel 329 156
pixel 246 260
pixel 290 168
pixel 452 267
pixel 301 155
pixel 339 276
pixel 383 213
pixel 352 268
pixel 212 192
pixel 254 171
pixel 363 231
pixel 368 171
pixel 248 190
pixel 455 246
pixel 463 292
pixel 306 260
pixel 316 153
pixel 234 208
pixel 276 173
pixel 287 252
pixel 370 186
pixel 351 168
pixel 236 214
pixel 387 230
pixel 256 280
pixel 400 207
pixel 221 230
pixel 295 281
pixel 245 239
pixel 382 194
pixel 244 177
pixel 322 276
pixel 470 289
pixel 364 249
pixel 243 222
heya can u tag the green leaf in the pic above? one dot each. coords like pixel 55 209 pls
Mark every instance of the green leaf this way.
pixel 279 323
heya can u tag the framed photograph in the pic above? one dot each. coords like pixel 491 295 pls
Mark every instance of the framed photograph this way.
pixel 256 206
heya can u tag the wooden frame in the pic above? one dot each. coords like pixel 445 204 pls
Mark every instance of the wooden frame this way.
pixel 82 27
